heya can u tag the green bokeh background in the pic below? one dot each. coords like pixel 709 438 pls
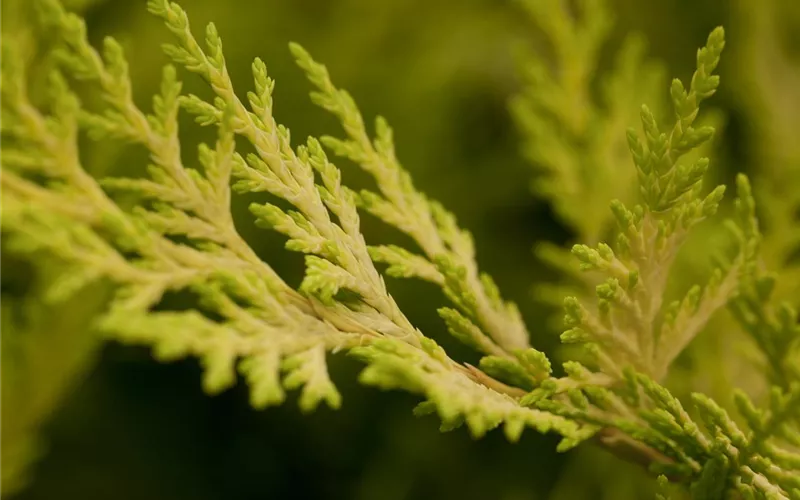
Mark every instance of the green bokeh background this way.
pixel 441 72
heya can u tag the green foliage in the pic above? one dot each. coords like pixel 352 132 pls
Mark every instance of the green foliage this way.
pixel 449 253
pixel 773 326
pixel 575 140
pixel 712 452
pixel 179 237
pixel 630 325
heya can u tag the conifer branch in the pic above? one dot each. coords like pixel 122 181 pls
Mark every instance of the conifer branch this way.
pixel 180 237
pixel 447 248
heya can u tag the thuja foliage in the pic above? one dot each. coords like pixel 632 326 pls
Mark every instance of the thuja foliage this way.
pixel 577 140
pixel 574 120
pixel 179 236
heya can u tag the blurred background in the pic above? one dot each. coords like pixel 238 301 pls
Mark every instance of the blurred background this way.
pixel 88 420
